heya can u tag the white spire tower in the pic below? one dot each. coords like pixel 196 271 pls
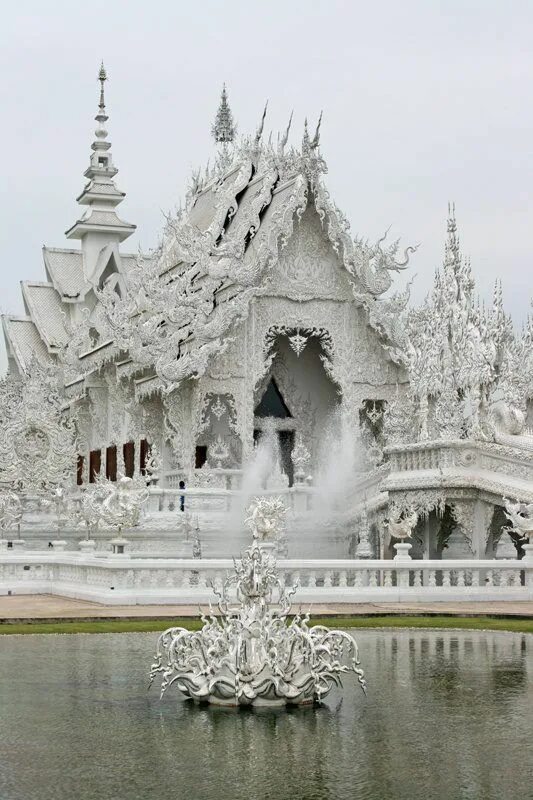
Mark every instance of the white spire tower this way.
pixel 99 225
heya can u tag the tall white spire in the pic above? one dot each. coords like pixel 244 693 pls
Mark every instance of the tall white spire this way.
pixel 99 225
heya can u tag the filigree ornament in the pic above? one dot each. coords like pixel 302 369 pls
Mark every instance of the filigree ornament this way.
pixel 37 441
pixel 219 408
pixel 114 504
pixel 10 509
pixel 301 458
pixel 364 546
pixel 399 422
pixel 298 342
pixel 219 452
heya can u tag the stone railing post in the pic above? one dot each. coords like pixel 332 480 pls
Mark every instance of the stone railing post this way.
pixel 527 561
pixel 87 546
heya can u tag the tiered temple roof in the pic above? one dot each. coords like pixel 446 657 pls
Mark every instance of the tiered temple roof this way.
pixel 53 307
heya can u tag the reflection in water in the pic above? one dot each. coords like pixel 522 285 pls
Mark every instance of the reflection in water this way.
pixel 76 721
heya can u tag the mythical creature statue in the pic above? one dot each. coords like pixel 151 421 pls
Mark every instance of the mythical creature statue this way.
pixel 402 528
pixel 114 504
pixel 153 464
pixel 389 318
pixel 507 418
pixel 521 517
pixel 265 518
pixel 374 263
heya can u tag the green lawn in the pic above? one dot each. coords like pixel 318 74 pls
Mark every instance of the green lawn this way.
pixel 515 624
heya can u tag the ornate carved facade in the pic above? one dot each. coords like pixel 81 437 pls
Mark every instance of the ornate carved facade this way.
pixel 259 302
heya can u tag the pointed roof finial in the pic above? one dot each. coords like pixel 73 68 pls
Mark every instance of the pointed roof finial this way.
pixel 259 131
pixel 305 140
pixel 285 138
pixel 100 194
pixel 316 137
pixel 102 77
pixel 224 129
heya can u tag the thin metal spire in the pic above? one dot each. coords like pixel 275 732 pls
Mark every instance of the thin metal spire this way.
pixel 101 116
pixel 102 77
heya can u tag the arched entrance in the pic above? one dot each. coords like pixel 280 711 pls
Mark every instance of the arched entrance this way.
pixel 296 396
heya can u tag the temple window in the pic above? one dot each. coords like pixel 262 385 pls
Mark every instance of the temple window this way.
pixel 95 457
pixel 128 452
pixel 79 470
pixel 143 455
pixel 111 463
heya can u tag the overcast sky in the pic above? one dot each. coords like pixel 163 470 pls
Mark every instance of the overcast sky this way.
pixel 424 102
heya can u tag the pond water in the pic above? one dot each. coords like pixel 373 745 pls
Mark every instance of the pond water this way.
pixel 448 715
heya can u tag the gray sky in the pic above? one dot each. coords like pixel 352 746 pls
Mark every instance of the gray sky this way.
pixel 424 102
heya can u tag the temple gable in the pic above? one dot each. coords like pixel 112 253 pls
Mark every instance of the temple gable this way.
pixel 308 267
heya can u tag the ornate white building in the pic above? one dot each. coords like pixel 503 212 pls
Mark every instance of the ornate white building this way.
pixel 258 304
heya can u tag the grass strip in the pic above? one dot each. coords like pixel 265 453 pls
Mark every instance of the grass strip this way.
pixel 514 624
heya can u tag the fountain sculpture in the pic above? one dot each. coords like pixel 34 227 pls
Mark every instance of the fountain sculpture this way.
pixel 251 654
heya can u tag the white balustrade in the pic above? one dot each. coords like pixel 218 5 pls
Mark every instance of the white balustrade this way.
pixel 143 580
pixel 437 455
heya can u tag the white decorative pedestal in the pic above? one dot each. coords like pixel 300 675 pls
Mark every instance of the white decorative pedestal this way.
pixel 118 547
pixel 19 544
pixel 59 544
pixel 505 547
pixel 87 546
pixel 154 500
pixel 364 548
pixel 528 553
pixel 457 546
pixel 300 498
pixel 402 551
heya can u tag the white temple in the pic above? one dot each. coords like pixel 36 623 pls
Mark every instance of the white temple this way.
pixel 259 317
